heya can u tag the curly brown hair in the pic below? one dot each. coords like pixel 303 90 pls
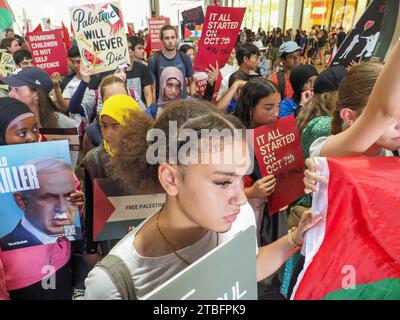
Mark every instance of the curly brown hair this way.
pixel 129 162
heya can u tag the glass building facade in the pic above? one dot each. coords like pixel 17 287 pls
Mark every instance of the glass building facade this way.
pixel 295 14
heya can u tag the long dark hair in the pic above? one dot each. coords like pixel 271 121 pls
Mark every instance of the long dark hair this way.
pixel 252 93
pixel 46 110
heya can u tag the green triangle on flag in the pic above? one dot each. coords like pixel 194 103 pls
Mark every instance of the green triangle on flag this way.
pixel 6 15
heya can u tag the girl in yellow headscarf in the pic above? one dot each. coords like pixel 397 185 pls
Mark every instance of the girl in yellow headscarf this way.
pixel 112 116
pixel 114 112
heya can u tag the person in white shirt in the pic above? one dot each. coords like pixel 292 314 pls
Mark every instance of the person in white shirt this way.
pixel 230 68
pixel 203 198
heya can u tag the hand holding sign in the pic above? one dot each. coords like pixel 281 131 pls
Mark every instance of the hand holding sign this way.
pixel 278 152
pixel 56 78
pixel 262 188
pixel 212 73
pixel 86 72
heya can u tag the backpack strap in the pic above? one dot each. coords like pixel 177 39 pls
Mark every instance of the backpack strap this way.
pixel 158 73
pixel 185 63
pixel 281 83
pixel 120 276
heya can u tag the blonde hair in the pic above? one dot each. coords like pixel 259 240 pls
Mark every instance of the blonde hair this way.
pixel 108 81
pixel 354 91
pixel 323 104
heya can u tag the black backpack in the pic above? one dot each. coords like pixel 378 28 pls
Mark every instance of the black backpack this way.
pixel 281 83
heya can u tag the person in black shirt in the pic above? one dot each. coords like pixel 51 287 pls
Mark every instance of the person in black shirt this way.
pixel 138 74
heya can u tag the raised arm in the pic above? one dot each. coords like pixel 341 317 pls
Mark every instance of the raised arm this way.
pixel 382 110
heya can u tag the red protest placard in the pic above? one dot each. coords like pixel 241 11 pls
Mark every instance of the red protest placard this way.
pixel 218 37
pixel 278 152
pixel 201 82
pixel 48 51
pixel 155 25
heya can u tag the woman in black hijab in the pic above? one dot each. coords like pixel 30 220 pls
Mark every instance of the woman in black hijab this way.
pixel 17 123
pixel 302 79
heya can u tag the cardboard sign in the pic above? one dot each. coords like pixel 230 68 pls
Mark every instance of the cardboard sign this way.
pixel 36 180
pixel 193 21
pixel 278 152
pixel 116 211
pixel 70 134
pixel 226 273
pixel 7 64
pixel 48 51
pixel 155 26
pixel 219 35
pixel 200 79
pixel 100 33
pixel 366 40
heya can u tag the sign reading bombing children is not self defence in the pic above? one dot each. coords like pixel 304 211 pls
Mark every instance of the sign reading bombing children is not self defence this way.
pixel 278 152
pixel 100 33
pixel 48 51
pixel 220 31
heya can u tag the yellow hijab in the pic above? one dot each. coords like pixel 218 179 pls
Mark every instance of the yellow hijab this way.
pixel 118 107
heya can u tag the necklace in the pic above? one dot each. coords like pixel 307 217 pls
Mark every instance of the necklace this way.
pixel 170 245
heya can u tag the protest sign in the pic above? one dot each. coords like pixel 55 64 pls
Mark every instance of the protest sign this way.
pixel 155 26
pixel 220 31
pixel 48 51
pixel 372 35
pixel 278 152
pixel 192 20
pixel 116 210
pixel 46 24
pixel 70 134
pixel 100 33
pixel 200 79
pixel 7 64
pixel 36 181
pixel 226 273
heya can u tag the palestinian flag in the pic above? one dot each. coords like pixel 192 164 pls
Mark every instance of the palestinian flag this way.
pixel 6 15
pixel 115 19
pixel 354 252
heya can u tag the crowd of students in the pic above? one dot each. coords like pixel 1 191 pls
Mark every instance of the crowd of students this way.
pixel 339 112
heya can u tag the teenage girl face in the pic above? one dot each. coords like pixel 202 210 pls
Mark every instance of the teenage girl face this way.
pixel 390 140
pixel 266 111
pixel 109 128
pixel 24 131
pixel 210 195
pixel 172 89
pixel 232 56
pixel 191 53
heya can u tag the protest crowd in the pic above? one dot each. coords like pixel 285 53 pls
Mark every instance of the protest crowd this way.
pixel 124 109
